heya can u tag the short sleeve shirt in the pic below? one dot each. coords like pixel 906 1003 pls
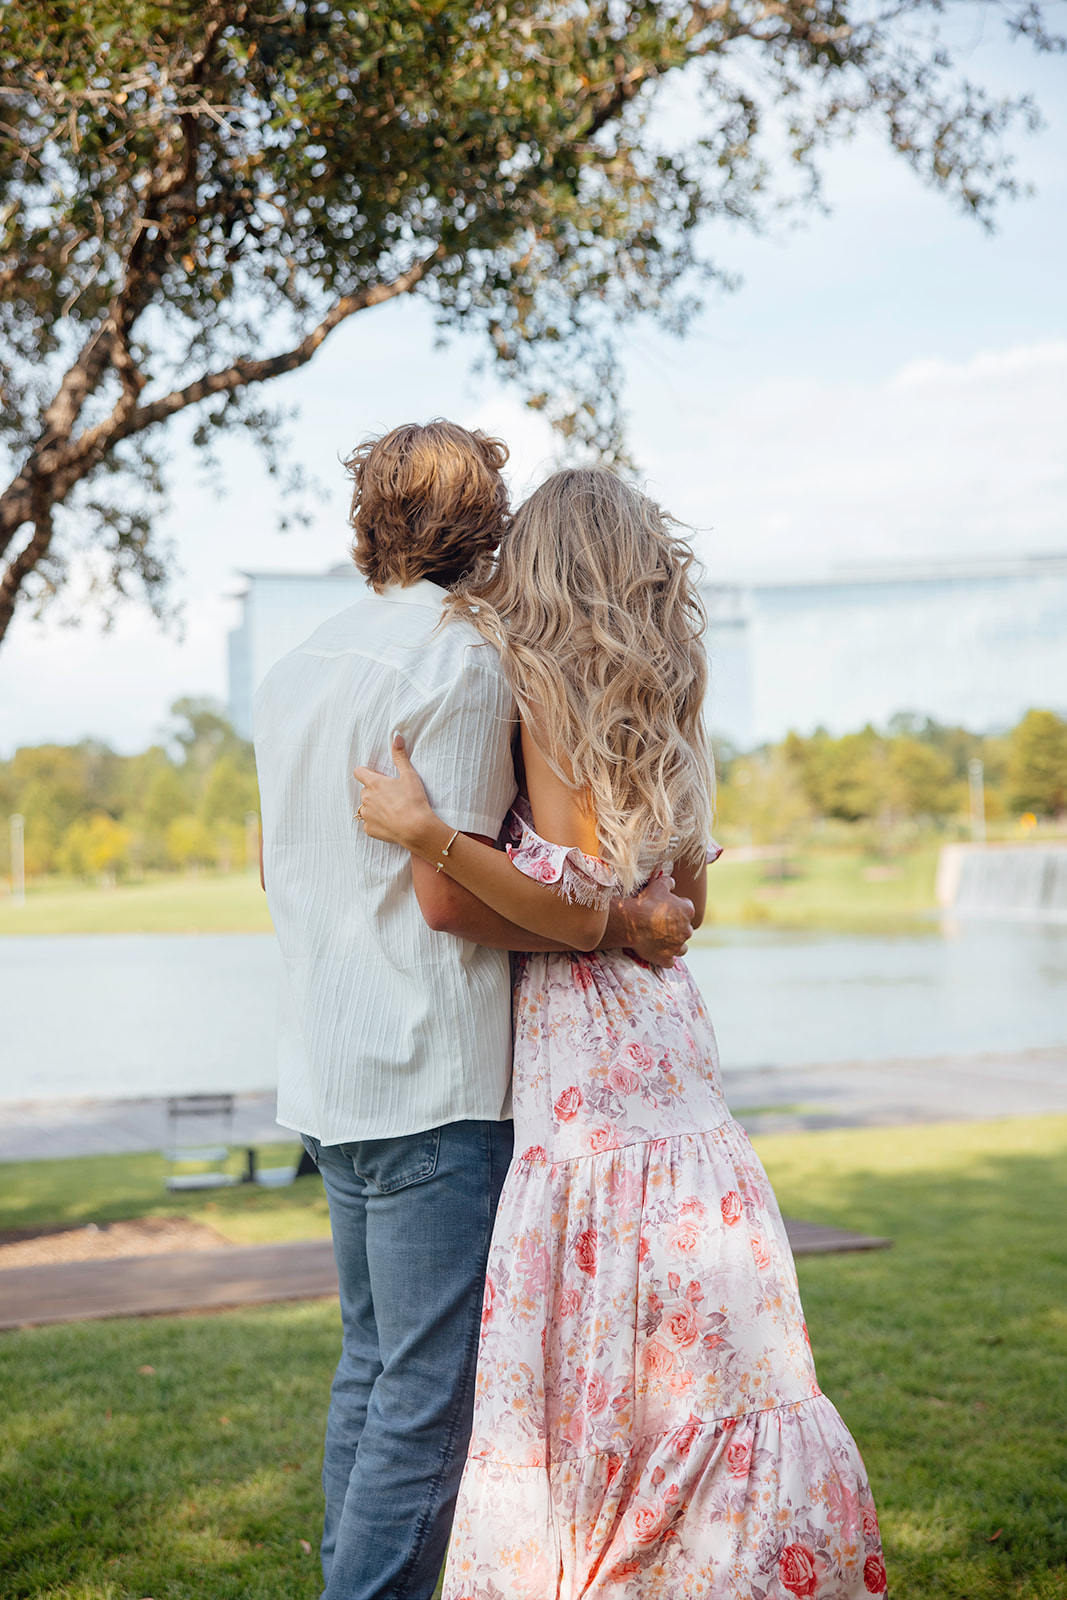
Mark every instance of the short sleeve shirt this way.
pixel 385 1027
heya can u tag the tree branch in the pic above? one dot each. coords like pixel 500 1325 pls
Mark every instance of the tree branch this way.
pixel 24 563
pixel 95 441
pixel 64 465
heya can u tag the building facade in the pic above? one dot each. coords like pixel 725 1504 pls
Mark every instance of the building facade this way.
pixel 970 643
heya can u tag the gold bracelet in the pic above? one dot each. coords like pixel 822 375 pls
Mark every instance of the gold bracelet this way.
pixel 447 848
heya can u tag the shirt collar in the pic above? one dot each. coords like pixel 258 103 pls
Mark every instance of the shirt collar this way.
pixel 423 593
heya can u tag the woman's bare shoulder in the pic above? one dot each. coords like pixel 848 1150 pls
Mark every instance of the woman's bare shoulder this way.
pixel 561 813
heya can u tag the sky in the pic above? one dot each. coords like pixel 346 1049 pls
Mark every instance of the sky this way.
pixel 888 383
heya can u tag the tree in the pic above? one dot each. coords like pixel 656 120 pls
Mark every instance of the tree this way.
pixel 190 843
pixel 183 185
pixel 230 794
pixel 48 785
pixel 95 846
pixel 1038 764
pixel 204 735
pixel 765 796
pixel 165 799
pixel 923 782
pixel 844 778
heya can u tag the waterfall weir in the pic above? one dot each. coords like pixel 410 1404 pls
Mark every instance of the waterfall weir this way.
pixel 1014 883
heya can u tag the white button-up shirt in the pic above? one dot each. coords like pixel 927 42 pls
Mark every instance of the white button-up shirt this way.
pixel 385 1027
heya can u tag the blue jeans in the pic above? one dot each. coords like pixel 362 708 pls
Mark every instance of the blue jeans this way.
pixel 412 1219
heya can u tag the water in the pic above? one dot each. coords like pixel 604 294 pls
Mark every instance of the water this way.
pixel 128 1015
pixel 789 999
pixel 137 1014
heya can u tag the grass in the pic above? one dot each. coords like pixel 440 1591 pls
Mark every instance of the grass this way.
pixel 945 1355
pixel 37 1194
pixel 212 903
pixel 198 1477
pixel 825 889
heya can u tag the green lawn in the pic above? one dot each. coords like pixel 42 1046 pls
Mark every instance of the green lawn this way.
pixel 946 1356
pixel 212 903
pixel 113 1188
pixel 825 888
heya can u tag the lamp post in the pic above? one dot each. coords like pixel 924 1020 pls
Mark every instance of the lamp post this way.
pixel 976 788
pixel 18 862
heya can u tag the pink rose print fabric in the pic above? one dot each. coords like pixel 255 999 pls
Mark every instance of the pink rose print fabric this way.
pixel 583 879
pixel 648 1424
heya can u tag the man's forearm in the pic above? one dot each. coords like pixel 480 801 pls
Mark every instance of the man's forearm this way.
pixel 629 926
pixel 621 929
pixel 482 925
pixel 449 908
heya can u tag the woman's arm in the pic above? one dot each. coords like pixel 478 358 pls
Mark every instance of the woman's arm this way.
pixel 397 810
pixel 691 882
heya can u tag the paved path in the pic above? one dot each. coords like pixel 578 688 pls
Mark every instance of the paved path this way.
pixel 193 1280
pixel 865 1094
pixel 40 1130
pixel 768 1099
pixel 207 1280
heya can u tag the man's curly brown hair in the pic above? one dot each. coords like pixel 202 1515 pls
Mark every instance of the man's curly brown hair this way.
pixel 427 502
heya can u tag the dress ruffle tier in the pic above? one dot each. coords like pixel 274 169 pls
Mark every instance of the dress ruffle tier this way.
pixel 648 1424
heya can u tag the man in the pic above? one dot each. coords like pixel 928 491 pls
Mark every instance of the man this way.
pixel 395 1042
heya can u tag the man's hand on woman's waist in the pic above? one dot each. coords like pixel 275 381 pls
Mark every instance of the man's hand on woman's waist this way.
pixel 656 924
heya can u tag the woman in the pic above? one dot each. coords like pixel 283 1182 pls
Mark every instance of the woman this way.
pixel 647 1420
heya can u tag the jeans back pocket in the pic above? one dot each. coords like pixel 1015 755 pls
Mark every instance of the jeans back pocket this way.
pixel 391 1164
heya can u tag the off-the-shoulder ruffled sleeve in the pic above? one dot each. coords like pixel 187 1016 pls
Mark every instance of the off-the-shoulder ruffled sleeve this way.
pixel 582 879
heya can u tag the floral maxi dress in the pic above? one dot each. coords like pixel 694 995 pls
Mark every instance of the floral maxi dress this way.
pixel 648 1424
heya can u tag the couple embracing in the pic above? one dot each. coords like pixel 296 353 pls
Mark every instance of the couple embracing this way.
pixel 580 1364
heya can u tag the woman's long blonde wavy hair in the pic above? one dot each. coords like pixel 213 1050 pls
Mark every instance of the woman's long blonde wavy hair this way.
pixel 593 608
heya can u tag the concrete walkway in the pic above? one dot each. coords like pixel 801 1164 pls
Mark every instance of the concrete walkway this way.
pixel 865 1094
pixel 53 1130
pixel 768 1099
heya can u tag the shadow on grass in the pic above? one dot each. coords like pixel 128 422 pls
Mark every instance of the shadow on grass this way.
pixel 199 1477
pixel 946 1356
pixel 104 1189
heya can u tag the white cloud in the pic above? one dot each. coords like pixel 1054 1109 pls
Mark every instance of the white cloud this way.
pixel 60 684
pixel 533 445
pixel 941 459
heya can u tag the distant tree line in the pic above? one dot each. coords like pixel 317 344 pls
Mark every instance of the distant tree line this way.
pixel 184 805
pixel 914 771
pixel 90 813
